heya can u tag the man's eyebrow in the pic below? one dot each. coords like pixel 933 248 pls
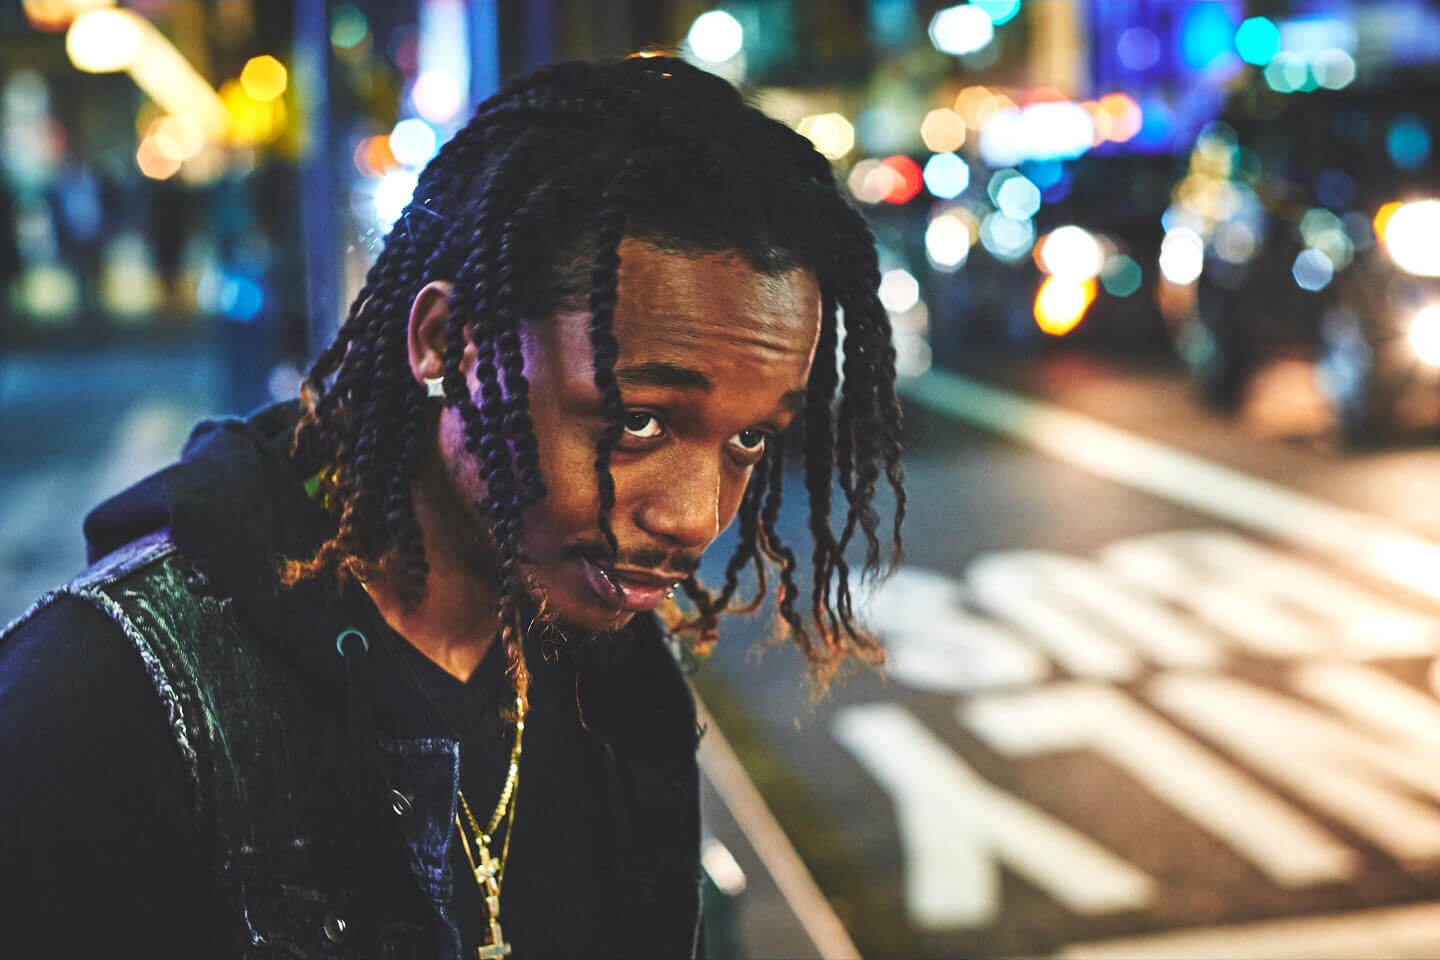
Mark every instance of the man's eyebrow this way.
pixel 658 373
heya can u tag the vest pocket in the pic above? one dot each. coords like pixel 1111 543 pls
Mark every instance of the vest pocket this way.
pixel 299 920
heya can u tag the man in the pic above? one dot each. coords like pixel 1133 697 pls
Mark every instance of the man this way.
pixel 380 673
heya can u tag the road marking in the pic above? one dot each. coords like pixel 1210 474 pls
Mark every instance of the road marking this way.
pixel 1409 931
pixel 1363 542
pixel 770 843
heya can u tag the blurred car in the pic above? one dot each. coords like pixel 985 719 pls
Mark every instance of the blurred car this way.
pixel 1305 228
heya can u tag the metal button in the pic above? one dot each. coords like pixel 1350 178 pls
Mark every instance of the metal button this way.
pixel 335 927
pixel 399 803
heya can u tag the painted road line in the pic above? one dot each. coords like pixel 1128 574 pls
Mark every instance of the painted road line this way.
pixel 1409 931
pixel 772 846
pixel 1361 541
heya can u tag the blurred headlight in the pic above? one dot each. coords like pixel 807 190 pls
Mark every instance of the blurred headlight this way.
pixel 1410 233
pixel 1425 334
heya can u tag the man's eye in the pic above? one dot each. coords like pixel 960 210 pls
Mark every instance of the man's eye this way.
pixel 751 440
pixel 642 425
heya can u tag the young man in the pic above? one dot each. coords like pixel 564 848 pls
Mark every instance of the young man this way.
pixel 381 673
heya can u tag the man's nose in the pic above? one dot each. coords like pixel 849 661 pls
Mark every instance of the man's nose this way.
pixel 682 506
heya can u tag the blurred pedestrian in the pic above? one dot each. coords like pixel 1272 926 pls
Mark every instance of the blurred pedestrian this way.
pixel 383 671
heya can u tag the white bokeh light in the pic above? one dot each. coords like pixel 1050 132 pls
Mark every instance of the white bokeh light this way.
pixel 715 36
pixel 962 29
pixel 1072 253
pixel 1182 256
pixel 899 290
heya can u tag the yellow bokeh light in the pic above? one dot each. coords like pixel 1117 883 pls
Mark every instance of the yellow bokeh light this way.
pixel 264 78
pixel 251 121
pixel 1060 305
pixel 177 136
pixel 831 134
pixel 943 131
pixel 1383 215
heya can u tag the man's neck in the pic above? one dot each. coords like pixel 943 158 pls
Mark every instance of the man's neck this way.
pixel 454 623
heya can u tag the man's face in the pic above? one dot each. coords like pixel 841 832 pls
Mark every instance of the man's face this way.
pixel 714 358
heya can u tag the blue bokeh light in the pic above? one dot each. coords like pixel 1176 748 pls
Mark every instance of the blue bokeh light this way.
pixel 1257 41
pixel 1408 142
pixel 1206 32
pixel 946 175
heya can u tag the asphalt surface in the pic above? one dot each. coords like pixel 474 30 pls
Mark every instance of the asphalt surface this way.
pixel 1157 686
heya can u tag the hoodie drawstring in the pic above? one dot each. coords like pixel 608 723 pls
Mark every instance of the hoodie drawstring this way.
pixel 364 787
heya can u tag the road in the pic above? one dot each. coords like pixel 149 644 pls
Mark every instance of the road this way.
pixel 1156 687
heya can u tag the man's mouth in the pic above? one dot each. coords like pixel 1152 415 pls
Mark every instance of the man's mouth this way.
pixel 632 590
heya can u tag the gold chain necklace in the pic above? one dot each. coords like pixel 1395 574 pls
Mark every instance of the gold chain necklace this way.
pixel 489 870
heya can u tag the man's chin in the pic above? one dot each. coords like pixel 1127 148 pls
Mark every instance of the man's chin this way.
pixel 560 638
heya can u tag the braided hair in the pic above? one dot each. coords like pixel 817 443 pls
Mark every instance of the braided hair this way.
pixel 523 212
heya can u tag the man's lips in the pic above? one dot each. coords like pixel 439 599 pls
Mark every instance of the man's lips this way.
pixel 626 589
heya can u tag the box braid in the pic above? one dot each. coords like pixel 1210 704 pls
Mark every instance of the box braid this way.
pixel 523 213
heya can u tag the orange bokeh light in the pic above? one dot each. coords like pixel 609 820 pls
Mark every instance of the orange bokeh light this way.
pixel 1382 218
pixel 1123 116
pixel 1060 305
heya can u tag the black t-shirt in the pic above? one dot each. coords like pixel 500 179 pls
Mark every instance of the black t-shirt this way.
pixel 99 849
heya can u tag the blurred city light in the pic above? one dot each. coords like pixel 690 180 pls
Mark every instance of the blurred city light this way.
pixel 904 188
pixel 1121 276
pixel 1286 72
pixel 961 29
pixel 999 11
pixel 348 26
pixel 177 137
pixel 1333 69
pixel 1121 115
pixel 899 290
pixel 1005 237
pixel 1425 334
pixel 392 195
pixel 251 121
pixel 1182 256
pixel 1017 197
pixel 1325 232
pixel 155 162
pixel 105 40
pixel 373 157
pixel 946 175
pixel 1138 48
pixel 976 105
pixel 715 36
pixel 831 133
pixel 943 131
pixel 1039 131
pixel 1257 41
pixel 1235 241
pixel 1071 253
pixel 1207 33
pixel 1060 304
pixel 413 142
pixel 437 95
pixel 264 78
pixel 52 16
pixel 1408 142
pixel 1312 270
pixel 1410 231
pixel 948 239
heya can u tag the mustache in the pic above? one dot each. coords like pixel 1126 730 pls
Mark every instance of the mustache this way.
pixel 645 558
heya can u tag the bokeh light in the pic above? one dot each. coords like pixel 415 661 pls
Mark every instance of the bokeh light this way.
pixel 1257 41
pixel 715 36
pixel 1071 253
pixel 961 29
pixel 1333 69
pixel 1425 334
pixel 1408 142
pixel 1060 304
pixel 52 16
pixel 1138 48
pixel 899 290
pixel 1312 270
pixel 943 131
pixel 1121 276
pixel 1286 72
pixel 154 161
pixel 1005 237
pixel 105 40
pixel 831 133
pixel 413 142
pixel 1122 116
pixel 903 189
pixel 1410 232
pixel 437 95
pixel 1182 256
pixel 999 11
pixel 948 239
pixel 264 78
pixel 946 175
pixel 1015 195
pixel 392 194
pixel 348 26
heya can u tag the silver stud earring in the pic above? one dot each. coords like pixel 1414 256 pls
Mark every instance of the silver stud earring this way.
pixel 435 387
pixel 670 594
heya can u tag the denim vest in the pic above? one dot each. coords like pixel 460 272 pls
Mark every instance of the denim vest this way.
pixel 268 758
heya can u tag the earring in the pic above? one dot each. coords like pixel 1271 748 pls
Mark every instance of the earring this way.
pixel 435 387
pixel 670 594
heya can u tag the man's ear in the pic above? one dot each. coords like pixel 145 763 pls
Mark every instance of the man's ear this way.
pixel 428 316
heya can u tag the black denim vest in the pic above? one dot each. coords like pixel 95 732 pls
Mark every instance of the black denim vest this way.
pixel 268 758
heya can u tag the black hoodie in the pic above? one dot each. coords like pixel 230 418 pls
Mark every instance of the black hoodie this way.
pixel 96 809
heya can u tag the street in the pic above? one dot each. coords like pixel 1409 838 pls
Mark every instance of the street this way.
pixel 1157 686
pixel 1150 679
